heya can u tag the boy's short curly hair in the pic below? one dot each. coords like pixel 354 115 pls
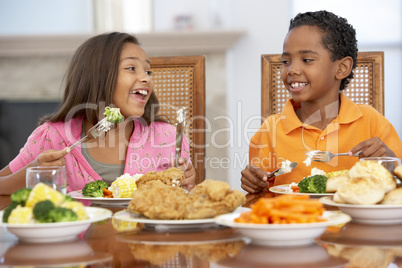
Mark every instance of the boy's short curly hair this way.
pixel 339 36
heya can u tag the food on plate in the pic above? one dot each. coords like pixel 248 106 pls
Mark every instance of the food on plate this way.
pixel 369 168
pixel 94 188
pixel 334 182
pixel 157 200
pixel 313 184
pixel 113 115
pixel 123 188
pixel 398 171
pixel 393 197
pixel 172 176
pixel 212 198
pixel 77 207
pixel 360 191
pixel 42 205
pixel 366 183
pixel 284 209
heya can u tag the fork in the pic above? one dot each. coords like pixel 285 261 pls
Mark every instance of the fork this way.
pixel 94 132
pixel 326 156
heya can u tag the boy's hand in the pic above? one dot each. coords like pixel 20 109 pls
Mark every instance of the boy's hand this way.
pixel 51 158
pixel 373 147
pixel 189 173
pixel 254 179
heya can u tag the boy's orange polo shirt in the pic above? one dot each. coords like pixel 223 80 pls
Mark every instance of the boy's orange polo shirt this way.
pixel 283 137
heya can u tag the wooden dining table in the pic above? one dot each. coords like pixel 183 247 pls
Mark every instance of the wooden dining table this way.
pixel 114 243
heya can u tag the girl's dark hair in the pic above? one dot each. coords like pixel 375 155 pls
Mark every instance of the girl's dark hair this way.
pixel 91 79
pixel 339 36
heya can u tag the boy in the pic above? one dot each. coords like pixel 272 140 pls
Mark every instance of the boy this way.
pixel 319 55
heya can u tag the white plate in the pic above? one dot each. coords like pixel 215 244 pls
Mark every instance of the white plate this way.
pixel 162 225
pixel 283 189
pixel 283 234
pixel 54 232
pixel 368 214
pixel 102 201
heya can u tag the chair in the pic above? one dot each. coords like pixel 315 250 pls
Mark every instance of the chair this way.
pixel 180 81
pixel 366 87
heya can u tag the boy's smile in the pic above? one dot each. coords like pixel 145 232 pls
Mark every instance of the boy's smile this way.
pixel 308 72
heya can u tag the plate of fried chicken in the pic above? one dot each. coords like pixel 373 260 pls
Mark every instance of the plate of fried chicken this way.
pixel 162 206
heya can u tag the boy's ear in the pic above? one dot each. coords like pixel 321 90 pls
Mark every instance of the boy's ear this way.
pixel 344 67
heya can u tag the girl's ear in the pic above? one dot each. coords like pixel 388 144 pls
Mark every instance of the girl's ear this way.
pixel 344 67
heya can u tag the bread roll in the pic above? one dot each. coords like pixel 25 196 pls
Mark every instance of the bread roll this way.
pixel 372 169
pixel 393 197
pixel 398 171
pixel 360 191
pixel 333 183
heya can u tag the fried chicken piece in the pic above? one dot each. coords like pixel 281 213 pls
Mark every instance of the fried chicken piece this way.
pixel 157 200
pixel 172 176
pixel 211 198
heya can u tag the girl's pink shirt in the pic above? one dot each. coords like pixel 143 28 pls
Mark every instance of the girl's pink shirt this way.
pixel 151 148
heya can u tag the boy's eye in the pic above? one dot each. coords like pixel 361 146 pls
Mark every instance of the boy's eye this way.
pixel 285 61
pixel 308 60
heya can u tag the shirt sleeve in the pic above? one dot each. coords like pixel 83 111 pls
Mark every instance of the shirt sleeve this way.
pixel 42 138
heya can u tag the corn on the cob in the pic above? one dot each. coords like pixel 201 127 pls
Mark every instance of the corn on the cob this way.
pixel 123 188
pixel 42 192
pixel 21 215
pixel 78 208
pixel 337 173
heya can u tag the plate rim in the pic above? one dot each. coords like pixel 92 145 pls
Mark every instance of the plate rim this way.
pixel 117 216
pixel 293 193
pixel 97 199
pixel 331 202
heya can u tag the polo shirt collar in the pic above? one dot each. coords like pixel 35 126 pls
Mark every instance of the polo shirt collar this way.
pixel 348 113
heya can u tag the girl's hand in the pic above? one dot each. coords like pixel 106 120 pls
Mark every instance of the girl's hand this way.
pixel 189 173
pixel 51 158
pixel 373 147
pixel 254 180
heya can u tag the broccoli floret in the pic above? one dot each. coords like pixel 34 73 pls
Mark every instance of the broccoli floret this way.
pixel 313 184
pixel 113 115
pixel 94 189
pixel 318 184
pixel 59 214
pixel 68 198
pixel 41 211
pixel 304 184
pixel 20 196
pixel 8 210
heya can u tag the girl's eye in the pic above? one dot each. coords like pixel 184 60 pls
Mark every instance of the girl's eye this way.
pixel 149 73
pixel 131 68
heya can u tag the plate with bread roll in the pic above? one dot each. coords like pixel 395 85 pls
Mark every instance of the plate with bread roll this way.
pixel 368 193
pixel 316 185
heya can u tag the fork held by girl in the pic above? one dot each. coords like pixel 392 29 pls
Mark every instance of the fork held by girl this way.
pixel 319 55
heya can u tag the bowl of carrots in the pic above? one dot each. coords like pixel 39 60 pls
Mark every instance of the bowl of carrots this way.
pixel 285 220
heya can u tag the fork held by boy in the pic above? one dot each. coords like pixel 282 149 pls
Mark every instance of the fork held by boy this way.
pixel 326 156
